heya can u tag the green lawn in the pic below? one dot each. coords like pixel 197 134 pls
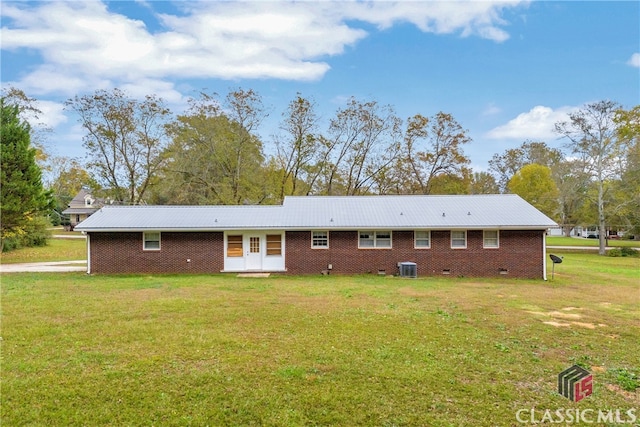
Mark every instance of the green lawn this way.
pixel 55 250
pixel 573 241
pixel 287 351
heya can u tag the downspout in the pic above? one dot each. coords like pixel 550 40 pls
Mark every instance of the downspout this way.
pixel 544 255
pixel 88 253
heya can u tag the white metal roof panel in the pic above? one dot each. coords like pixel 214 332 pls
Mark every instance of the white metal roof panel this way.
pixel 502 211
pixel 406 212
pixel 188 218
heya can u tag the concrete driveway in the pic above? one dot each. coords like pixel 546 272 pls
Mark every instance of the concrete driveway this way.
pixel 44 267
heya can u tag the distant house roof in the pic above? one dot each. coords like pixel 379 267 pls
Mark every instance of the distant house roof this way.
pixel 79 198
pixel 74 211
pixel 78 205
pixel 502 211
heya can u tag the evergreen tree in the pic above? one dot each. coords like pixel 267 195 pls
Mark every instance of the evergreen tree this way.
pixel 23 200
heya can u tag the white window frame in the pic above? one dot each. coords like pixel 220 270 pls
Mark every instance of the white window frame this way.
pixel 375 239
pixel 415 239
pixel 484 239
pixel 317 239
pixel 457 238
pixel 145 240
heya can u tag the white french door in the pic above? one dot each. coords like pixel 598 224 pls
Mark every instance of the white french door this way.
pixel 253 253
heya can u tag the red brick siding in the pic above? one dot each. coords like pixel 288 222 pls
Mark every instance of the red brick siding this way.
pixel 520 253
pixel 122 253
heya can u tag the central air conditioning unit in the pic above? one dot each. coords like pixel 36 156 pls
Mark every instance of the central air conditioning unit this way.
pixel 408 269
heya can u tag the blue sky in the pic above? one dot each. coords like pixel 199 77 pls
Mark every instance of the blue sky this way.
pixel 506 70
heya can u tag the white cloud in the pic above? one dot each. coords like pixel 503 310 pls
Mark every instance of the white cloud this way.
pixel 85 46
pixel 634 61
pixel 536 124
pixel 52 113
pixel 469 18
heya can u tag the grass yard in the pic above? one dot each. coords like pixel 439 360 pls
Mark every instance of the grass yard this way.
pixel 55 250
pixel 287 351
pixel 573 241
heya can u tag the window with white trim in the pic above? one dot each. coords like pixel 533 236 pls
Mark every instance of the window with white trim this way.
pixel 374 239
pixel 320 239
pixel 491 239
pixel 422 239
pixel 458 239
pixel 151 241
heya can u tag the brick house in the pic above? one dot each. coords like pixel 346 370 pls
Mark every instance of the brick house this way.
pixel 476 235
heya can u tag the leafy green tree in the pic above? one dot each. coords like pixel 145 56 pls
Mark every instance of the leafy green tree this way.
pixel 23 200
pixel 68 178
pixel 534 184
pixel 433 149
pixel 483 183
pixel 124 139
pixel 593 139
pixel 505 165
pixel 628 188
pixel 573 185
pixel 360 145
pixel 298 147
pixel 212 158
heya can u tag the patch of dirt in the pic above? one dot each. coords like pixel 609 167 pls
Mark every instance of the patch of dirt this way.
pixel 569 318
pixel 557 324
pixel 629 395
pixel 561 315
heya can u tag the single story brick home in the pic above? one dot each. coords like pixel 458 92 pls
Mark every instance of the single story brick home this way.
pixel 470 235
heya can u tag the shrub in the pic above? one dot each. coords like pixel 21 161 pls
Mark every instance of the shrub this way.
pixel 33 233
pixel 629 252
pixel 623 252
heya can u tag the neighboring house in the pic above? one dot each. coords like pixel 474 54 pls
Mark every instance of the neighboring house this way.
pixel 81 207
pixel 478 235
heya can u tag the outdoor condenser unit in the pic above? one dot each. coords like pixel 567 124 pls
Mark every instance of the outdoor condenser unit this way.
pixel 408 269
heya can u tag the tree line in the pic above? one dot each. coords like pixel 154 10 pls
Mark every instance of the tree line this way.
pixel 138 151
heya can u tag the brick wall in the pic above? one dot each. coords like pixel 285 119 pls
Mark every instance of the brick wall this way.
pixel 520 255
pixel 122 253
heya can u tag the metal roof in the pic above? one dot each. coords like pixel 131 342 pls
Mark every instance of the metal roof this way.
pixel 503 211
pixel 71 211
pixel 409 212
pixel 187 218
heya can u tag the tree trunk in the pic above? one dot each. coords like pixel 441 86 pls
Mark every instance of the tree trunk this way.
pixel 601 223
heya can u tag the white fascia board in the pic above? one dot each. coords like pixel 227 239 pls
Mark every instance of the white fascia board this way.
pixel 171 230
pixel 355 227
